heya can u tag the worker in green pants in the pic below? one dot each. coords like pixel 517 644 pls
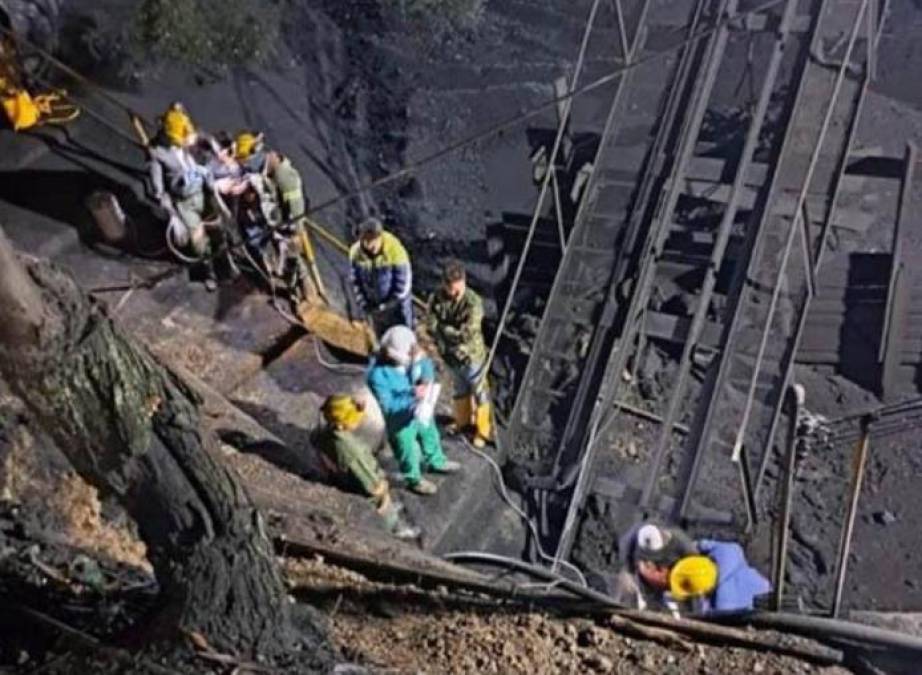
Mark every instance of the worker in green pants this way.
pixel 402 379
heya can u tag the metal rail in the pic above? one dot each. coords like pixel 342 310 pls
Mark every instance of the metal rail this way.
pixel 583 242
pixel 606 385
pixel 718 252
pixel 652 253
pixel 812 270
pixel 768 266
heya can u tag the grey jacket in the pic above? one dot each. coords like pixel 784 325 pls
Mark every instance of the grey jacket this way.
pixel 175 172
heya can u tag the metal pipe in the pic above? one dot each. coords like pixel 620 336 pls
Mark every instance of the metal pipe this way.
pixel 697 627
pixel 845 542
pixel 794 396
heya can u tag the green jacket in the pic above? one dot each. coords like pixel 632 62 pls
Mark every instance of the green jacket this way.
pixel 290 190
pixel 348 458
pixel 455 327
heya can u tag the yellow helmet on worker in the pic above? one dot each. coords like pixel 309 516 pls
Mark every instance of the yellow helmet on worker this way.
pixel 342 410
pixel 248 143
pixel 177 125
pixel 693 576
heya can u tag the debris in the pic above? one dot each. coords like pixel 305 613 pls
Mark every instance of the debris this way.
pixel 884 517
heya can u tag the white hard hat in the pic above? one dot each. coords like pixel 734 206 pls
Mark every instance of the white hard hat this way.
pixel 397 344
pixel 650 539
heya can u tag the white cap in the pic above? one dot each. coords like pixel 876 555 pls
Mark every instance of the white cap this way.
pixel 397 344
pixel 650 539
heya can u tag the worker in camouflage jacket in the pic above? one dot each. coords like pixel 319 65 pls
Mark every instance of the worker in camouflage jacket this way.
pixel 454 322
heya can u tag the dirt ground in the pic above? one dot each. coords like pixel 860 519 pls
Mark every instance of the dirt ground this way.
pixel 403 630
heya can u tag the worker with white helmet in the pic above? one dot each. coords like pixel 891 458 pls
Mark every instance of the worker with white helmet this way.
pixel 402 379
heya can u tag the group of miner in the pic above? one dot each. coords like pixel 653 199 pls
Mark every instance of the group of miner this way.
pixel 193 175
pixel 204 182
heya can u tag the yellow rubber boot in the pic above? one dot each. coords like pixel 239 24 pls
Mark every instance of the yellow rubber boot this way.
pixel 462 415
pixel 483 425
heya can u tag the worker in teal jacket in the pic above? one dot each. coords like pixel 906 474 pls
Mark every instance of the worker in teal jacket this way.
pixel 382 278
pixel 400 377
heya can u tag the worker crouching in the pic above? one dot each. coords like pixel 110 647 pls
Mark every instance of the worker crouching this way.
pixel 454 322
pixel 402 379
pixel 350 462
pixel 719 580
pixel 382 278
pixel 665 569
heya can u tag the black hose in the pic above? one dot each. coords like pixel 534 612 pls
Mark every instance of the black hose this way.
pixel 820 628
pixel 536 571
pixel 823 628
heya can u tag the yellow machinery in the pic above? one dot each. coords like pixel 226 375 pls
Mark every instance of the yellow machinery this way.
pixel 23 109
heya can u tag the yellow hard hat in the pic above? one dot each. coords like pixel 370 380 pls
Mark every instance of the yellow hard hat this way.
pixel 343 410
pixel 692 577
pixel 247 144
pixel 177 125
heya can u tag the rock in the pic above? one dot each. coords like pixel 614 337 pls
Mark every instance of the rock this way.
pixel 599 663
pixel 884 517
pixel 591 637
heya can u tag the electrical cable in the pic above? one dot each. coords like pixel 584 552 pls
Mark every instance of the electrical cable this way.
pixel 503 491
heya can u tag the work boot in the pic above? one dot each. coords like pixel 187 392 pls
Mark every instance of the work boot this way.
pixel 449 466
pixel 461 409
pixel 483 425
pixel 424 487
pixel 211 282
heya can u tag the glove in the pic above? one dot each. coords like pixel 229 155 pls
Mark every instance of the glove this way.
pixel 385 307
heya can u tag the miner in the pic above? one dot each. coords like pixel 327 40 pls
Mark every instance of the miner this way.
pixel 381 277
pixel 181 184
pixel 285 179
pixel 402 378
pixel 718 580
pixel 454 322
pixel 350 462
pixel 647 553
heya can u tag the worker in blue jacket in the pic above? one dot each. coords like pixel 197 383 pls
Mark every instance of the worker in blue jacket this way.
pixel 382 278
pixel 718 580
pixel 401 377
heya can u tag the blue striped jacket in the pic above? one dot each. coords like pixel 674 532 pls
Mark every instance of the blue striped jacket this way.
pixel 381 278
